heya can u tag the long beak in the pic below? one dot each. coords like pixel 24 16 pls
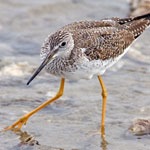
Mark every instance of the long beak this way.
pixel 44 63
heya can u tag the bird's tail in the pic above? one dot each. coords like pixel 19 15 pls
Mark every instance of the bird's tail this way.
pixel 131 19
pixel 145 16
pixel 137 25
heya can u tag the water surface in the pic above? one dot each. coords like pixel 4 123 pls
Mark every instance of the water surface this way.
pixel 64 124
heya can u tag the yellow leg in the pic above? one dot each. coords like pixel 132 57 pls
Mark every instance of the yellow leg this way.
pixel 104 95
pixel 23 120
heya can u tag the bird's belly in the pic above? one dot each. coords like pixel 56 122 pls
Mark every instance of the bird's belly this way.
pixel 84 70
pixel 72 74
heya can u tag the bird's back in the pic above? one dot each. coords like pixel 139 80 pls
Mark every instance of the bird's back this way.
pixel 107 38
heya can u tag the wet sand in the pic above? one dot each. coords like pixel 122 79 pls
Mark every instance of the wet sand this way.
pixel 64 124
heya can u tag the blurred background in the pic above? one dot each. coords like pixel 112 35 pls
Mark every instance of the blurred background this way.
pixel 63 125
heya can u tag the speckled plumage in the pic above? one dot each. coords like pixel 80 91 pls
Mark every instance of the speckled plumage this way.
pixel 91 46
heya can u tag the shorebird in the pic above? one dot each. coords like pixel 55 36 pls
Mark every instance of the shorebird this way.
pixel 83 49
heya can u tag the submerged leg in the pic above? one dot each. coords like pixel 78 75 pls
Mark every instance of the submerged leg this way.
pixel 104 96
pixel 23 120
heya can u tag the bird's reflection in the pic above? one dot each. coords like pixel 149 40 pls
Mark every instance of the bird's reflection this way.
pixel 104 143
pixel 26 138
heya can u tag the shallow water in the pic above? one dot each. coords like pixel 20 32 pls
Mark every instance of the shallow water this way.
pixel 64 124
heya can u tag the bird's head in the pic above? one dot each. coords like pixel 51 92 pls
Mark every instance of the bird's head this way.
pixel 58 44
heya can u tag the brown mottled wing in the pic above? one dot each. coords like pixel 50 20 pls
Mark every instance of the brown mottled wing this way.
pixel 109 42
pixel 103 43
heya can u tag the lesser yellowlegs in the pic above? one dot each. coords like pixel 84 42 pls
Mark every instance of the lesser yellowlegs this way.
pixel 83 49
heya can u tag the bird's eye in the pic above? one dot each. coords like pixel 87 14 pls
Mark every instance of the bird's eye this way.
pixel 63 44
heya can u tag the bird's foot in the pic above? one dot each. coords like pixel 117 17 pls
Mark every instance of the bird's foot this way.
pixel 100 131
pixel 18 124
pixel 94 132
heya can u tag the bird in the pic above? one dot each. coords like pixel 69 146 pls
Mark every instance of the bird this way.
pixel 83 49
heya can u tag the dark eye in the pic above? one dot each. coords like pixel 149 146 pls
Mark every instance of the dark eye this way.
pixel 63 44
